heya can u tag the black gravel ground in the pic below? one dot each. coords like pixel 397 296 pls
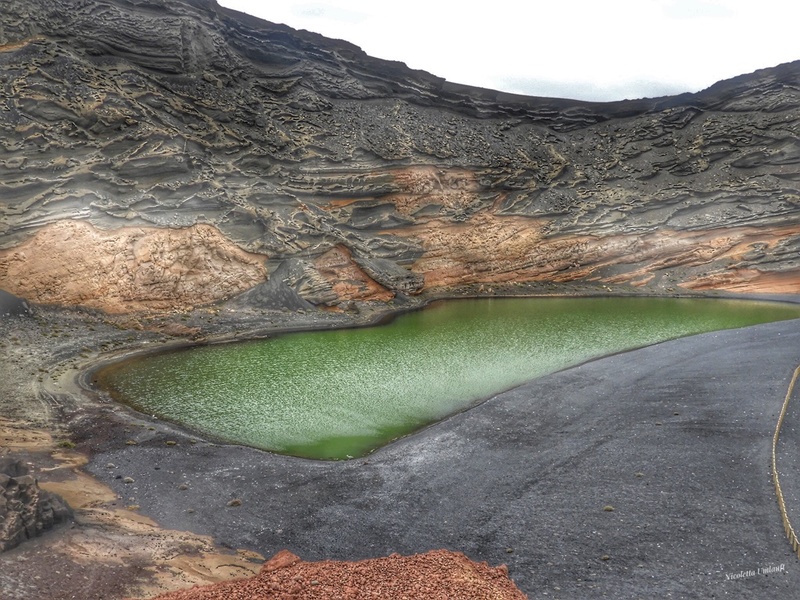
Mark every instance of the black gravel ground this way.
pixel 644 474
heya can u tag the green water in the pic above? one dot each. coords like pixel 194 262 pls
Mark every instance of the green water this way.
pixel 340 394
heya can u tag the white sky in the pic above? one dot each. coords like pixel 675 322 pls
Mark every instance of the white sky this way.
pixel 586 49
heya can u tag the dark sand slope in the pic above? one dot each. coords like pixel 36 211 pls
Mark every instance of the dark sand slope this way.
pixel 675 437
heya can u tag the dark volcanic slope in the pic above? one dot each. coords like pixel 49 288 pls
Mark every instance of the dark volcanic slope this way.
pixel 359 178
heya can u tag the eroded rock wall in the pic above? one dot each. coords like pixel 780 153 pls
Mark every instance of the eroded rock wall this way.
pixel 360 179
pixel 26 511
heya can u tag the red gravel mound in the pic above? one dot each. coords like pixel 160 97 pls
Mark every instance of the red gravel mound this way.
pixel 435 575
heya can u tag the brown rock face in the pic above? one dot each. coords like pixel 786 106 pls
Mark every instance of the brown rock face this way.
pixel 496 250
pixel 360 179
pixel 347 279
pixel 438 574
pixel 128 269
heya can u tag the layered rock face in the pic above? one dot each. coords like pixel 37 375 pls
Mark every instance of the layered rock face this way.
pixel 25 510
pixel 249 158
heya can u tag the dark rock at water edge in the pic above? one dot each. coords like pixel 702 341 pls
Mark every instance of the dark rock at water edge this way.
pixel 11 306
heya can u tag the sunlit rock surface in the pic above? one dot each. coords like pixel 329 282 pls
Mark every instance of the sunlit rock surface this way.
pixel 264 152
pixel 129 268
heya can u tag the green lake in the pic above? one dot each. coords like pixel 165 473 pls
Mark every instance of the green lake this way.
pixel 342 393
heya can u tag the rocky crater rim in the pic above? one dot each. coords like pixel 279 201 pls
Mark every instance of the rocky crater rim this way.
pixel 304 173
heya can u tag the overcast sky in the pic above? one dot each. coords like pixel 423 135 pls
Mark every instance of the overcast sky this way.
pixel 586 49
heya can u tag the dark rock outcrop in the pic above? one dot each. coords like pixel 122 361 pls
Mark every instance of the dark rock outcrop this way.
pixel 12 306
pixel 302 150
pixel 25 510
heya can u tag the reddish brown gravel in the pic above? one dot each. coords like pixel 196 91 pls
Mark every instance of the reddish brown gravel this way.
pixel 435 575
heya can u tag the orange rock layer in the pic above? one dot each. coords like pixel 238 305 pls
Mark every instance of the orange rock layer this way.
pixel 136 269
pixel 348 281
pixel 129 269
pixel 491 249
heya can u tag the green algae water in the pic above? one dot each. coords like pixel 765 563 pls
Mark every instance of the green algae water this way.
pixel 342 393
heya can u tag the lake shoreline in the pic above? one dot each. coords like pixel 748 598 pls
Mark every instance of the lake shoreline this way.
pixel 333 395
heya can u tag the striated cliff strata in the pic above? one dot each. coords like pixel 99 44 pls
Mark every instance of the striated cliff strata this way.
pixel 297 170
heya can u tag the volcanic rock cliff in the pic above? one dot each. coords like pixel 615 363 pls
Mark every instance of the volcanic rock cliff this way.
pixel 25 509
pixel 161 154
